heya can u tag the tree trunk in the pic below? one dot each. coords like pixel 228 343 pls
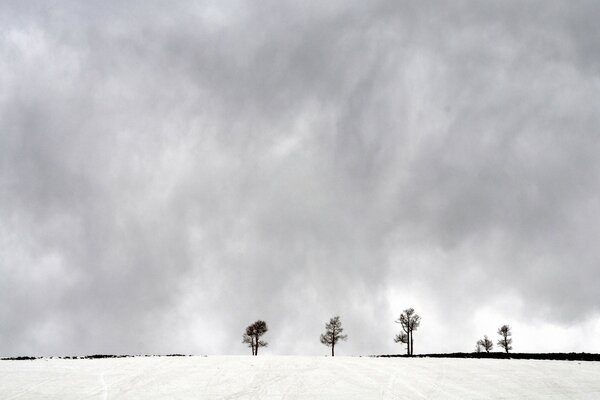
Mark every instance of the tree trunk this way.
pixel 332 341
pixel 411 343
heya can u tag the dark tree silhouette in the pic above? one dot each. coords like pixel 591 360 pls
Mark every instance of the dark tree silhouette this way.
pixel 409 321
pixel 333 333
pixel 253 334
pixel 485 344
pixel 505 338
pixel 402 337
pixel 248 338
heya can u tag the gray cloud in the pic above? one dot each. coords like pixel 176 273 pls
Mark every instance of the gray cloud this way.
pixel 169 175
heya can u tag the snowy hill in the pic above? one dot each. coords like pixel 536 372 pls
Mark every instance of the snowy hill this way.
pixel 295 377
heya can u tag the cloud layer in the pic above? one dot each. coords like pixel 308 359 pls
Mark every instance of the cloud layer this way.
pixel 170 175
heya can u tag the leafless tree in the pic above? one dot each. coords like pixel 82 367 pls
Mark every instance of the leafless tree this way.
pixel 478 347
pixel 505 338
pixel 485 344
pixel 409 321
pixel 402 337
pixel 253 334
pixel 248 338
pixel 333 333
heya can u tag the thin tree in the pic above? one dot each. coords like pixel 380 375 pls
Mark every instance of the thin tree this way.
pixel 248 338
pixel 333 334
pixel 409 321
pixel 402 337
pixel 253 334
pixel 478 347
pixel 485 344
pixel 505 338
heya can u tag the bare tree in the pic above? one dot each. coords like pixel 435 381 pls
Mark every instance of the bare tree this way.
pixel 253 334
pixel 478 347
pixel 333 333
pixel 402 337
pixel 409 321
pixel 505 338
pixel 248 338
pixel 485 344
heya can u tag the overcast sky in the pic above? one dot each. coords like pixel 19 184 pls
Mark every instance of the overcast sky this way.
pixel 171 173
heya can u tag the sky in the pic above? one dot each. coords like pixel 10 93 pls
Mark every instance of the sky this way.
pixel 171 173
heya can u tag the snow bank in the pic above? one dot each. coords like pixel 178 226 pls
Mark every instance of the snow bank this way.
pixel 293 377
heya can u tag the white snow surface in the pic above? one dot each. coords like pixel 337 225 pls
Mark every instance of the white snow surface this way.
pixel 294 377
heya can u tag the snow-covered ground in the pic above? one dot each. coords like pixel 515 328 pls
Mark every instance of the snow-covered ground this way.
pixel 294 377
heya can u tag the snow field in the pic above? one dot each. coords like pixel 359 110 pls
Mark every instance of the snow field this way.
pixel 297 377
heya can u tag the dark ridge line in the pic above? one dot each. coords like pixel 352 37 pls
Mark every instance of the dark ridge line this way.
pixel 505 356
pixel 92 357
pixel 493 355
